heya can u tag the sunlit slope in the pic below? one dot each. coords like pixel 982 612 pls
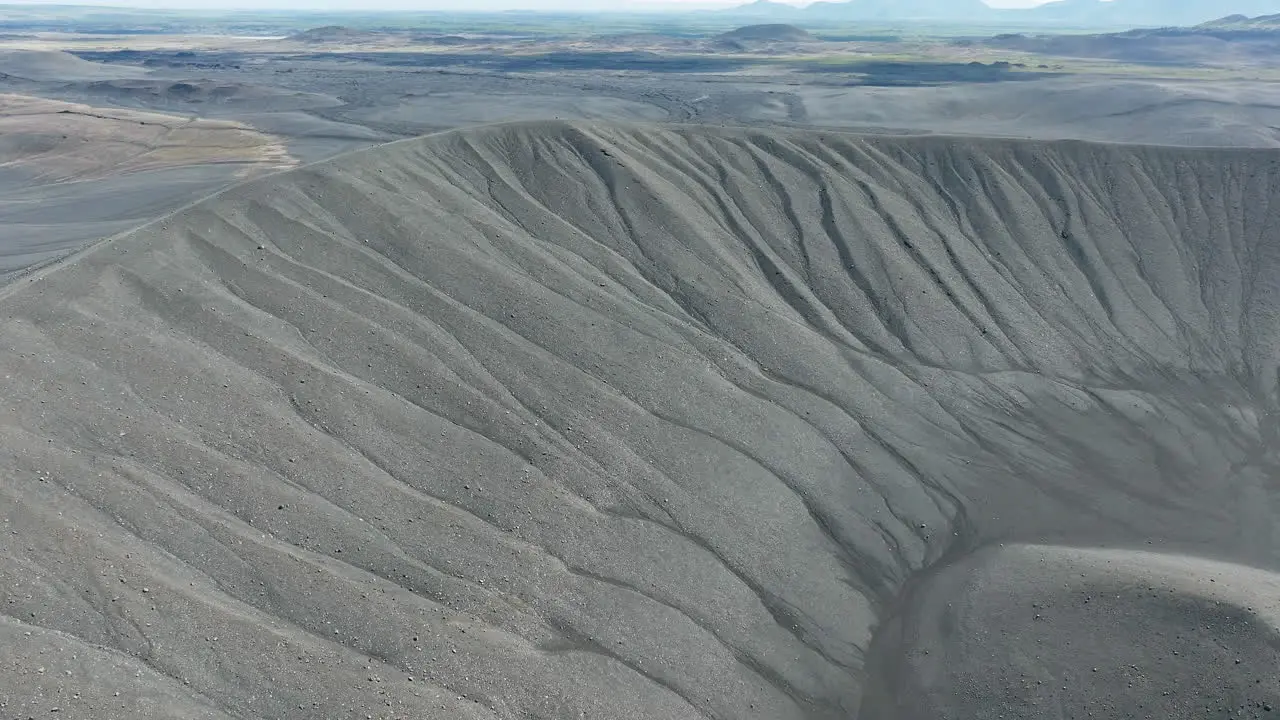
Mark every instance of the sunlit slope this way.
pixel 563 420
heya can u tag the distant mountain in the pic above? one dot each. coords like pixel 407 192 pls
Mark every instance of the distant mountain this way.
pixel 765 8
pixel 1140 13
pixel 958 10
pixel 1243 22
pixel 1083 13
pixel 857 10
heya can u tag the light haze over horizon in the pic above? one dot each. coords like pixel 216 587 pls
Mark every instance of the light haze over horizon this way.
pixel 448 5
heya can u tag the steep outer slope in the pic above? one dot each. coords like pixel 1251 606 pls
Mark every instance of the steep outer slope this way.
pixel 562 420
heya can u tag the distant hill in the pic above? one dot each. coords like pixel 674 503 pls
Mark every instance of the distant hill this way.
pixel 331 34
pixel 1083 13
pixel 450 40
pixel 43 65
pixel 767 33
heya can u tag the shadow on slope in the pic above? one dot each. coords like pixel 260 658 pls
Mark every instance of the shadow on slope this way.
pixel 547 420
pixel 1032 632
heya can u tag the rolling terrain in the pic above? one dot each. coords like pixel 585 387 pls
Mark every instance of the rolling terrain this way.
pixel 127 129
pixel 562 420
pixel 1231 42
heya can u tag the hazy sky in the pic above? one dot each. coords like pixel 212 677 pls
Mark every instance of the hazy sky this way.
pixel 481 5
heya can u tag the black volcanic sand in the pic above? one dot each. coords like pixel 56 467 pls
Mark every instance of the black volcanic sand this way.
pixel 573 420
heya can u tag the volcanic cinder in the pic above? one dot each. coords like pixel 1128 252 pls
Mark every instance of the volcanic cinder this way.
pixel 563 420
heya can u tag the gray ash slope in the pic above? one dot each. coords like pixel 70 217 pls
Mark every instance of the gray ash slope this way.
pixel 565 420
